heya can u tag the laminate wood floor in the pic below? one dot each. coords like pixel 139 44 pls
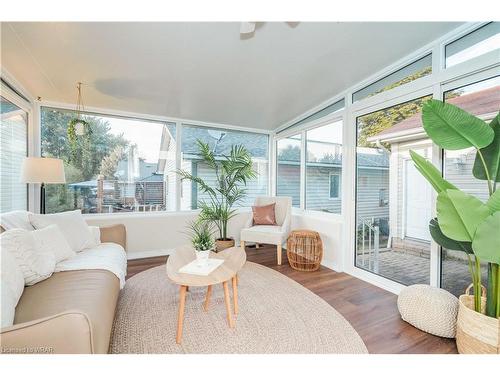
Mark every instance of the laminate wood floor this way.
pixel 372 311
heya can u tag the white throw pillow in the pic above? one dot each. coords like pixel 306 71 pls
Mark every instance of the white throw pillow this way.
pixel 35 264
pixel 96 235
pixel 15 219
pixel 50 239
pixel 72 225
pixel 11 287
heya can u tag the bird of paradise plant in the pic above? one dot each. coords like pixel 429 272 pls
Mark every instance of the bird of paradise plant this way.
pixel 464 222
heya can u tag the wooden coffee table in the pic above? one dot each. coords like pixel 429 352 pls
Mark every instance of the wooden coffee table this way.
pixel 234 259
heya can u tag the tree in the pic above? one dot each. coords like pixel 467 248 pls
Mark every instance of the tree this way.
pixel 90 152
pixel 109 164
pixel 376 122
pixel 83 165
pixel 290 153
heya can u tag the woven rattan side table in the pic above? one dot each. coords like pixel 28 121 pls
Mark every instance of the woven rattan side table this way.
pixel 304 250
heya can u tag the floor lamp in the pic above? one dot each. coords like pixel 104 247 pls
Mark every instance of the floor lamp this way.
pixel 43 171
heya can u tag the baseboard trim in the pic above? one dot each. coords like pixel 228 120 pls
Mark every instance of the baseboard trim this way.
pixel 331 265
pixel 149 254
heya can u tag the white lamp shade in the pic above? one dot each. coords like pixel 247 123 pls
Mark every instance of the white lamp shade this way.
pixel 43 170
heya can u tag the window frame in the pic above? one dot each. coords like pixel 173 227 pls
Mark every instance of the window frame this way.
pixel 462 34
pixel 416 60
pixel 385 282
pixel 301 167
pixel 186 124
pixel 302 130
pixel 180 124
pixel 15 94
pixel 444 88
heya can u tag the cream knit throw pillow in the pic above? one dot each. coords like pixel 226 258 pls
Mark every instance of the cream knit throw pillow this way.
pixel 430 309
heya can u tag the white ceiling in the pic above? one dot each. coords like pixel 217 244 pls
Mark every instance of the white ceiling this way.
pixel 205 71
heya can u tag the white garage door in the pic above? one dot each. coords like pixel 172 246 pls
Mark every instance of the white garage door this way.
pixel 418 203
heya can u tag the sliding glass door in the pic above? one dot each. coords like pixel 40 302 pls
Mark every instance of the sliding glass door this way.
pixel 393 202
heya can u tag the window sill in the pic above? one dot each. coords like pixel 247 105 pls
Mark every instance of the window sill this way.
pixel 108 216
pixel 338 218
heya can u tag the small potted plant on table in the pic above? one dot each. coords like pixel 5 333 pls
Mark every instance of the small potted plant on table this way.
pixel 202 239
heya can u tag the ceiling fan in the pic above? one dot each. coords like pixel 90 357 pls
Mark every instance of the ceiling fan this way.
pixel 248 28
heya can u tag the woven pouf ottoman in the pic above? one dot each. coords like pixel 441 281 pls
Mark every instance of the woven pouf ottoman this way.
pixel 430 309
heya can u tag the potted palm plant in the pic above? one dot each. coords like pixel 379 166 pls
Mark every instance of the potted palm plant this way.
pixel 231 175
pixel 464 222
pixel 202 239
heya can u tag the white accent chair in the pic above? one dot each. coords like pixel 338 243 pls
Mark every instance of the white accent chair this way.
pixel 270 234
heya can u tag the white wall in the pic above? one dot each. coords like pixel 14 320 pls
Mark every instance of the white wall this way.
pixel 149 234
pixel 330 227
pixel 152 234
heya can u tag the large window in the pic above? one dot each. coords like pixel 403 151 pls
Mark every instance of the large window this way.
pixel 392 239
pixel 114 165
pixel 13 149
pixel 411 72
pixel 324 168
pixel 476 43
pixel 483 100
pixel 288 168
pixel 221 141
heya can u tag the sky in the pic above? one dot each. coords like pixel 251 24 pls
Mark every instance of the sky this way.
pixel 320 139
pixel 478 49
pixel 146 135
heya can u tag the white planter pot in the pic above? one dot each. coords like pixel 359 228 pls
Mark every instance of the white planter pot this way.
pixel 202 256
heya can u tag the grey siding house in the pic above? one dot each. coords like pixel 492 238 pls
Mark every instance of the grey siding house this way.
pixel 324 183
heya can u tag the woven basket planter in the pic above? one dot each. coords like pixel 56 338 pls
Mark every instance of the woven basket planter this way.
pixel 223 244
pixel 304 250
pixel 476 332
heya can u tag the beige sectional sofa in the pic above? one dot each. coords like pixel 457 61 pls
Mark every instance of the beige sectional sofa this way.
pixel 70 312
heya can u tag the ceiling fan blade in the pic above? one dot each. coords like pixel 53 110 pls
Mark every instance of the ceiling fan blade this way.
pixel 247 27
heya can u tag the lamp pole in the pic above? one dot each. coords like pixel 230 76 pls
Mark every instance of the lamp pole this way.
pixel 42 198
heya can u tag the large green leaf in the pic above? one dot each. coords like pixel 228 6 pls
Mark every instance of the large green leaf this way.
pixel 486 242
pixel 491 155
pixel 460 214
pixel 431 173
pixel 493 202
pixel 446 242
pixel 454 129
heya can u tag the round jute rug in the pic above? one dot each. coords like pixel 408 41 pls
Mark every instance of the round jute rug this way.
pixel 276 315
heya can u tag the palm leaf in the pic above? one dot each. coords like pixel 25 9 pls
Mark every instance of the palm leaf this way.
pixel 201 183
pixel 460 214
pixel 486 243
pixel 207 154
pixel 454 129
pixel 491 155
pixel 446 242
pixel 493 202
pixel 431 173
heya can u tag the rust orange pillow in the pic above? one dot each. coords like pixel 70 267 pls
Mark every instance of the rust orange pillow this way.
pixel 264 215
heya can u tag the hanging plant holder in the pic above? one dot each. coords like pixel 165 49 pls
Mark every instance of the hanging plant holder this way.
pixel 78 127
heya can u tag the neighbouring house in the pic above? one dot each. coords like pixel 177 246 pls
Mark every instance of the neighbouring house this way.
pixel 220 142
pixel 323 181
pixel 137 186
pixel 410 195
